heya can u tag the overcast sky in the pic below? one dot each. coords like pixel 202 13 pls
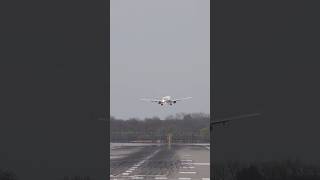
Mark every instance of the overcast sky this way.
pixel 159 48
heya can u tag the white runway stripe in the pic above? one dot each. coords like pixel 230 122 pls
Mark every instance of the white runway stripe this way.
pixel 205 179
pixel 191 163
pixel 187 167
pixel 151 175
pixel 137 177
pixel 184 178
pixel 187 172
pixel 160 178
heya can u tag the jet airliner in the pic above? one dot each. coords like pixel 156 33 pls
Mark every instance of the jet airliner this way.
pixel 166 100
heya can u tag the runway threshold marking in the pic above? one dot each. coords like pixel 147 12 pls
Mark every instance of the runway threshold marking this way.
pixel 134 167
pixel 205 178
pixel 184 178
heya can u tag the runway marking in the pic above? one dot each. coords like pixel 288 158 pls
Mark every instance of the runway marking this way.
pixel 187 172
pixel 184 178
pixel 187 167
pixel 131 169
pixel 137 178
pixel 160 178
pixel 201 164
pixel 205 179
pixel 197 164
pixel 187 160
pixel 186 163
pixel 153 175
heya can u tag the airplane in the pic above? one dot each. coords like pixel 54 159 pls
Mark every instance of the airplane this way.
pixel 166 100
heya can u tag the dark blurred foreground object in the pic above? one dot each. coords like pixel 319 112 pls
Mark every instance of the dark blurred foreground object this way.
pixel 270 170
pixel 250 173
pixel 7 175
pixel 77 178
pixel 224 121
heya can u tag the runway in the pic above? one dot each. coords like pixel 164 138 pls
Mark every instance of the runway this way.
pixel 160 161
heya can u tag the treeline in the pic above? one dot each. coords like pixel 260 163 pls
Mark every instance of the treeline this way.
pixel 185 128
pixel 272 170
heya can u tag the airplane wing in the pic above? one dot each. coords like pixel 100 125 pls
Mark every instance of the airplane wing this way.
pixel 224 121
pixel 182 99
pixel 150 100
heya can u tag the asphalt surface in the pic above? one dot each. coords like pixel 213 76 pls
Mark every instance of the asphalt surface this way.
pixel 175 162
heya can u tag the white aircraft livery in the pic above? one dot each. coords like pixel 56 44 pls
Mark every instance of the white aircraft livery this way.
pixel 166 100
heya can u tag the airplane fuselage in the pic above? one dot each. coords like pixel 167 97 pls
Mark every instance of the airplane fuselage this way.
pixel 166 100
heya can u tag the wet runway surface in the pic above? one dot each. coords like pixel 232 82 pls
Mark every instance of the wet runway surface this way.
pixel 179 162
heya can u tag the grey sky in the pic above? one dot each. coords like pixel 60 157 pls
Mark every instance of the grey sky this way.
pixel 158 48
